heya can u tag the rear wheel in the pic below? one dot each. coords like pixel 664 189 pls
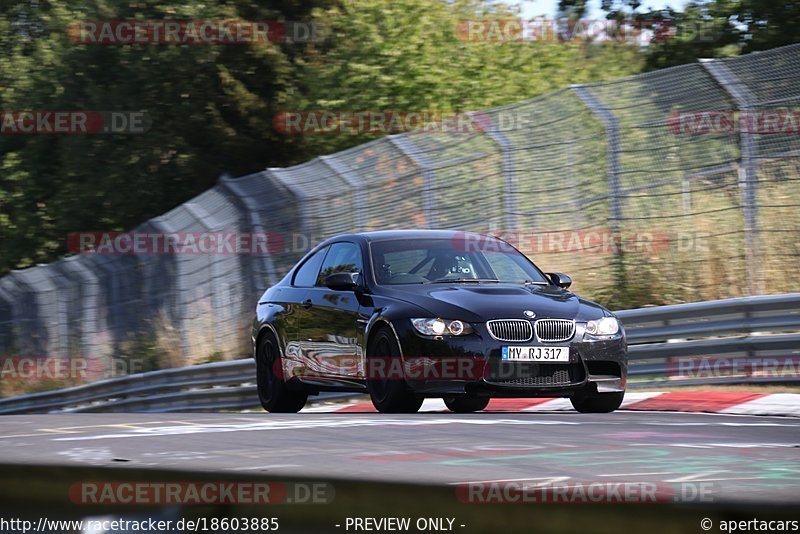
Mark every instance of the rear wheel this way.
pixel 389 393
pixel 598 403
pixel 273 392
pixel 466 404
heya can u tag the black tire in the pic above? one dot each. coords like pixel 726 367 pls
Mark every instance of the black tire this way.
pixel 274 394
pixel 597 403
pixel 466 404
pixel 389 394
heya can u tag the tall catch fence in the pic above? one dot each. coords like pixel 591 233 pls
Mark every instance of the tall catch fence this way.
pixel 646 190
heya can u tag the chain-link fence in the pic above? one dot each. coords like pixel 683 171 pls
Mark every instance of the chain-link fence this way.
pixel 647 190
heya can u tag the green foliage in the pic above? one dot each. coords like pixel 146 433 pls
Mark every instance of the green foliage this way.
pixel 142 353
pixel 707 28
pixel 212 106
pixel 215 357
pixel 408 56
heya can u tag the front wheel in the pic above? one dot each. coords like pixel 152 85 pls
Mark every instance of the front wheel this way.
pixel 466 404
pixel 389 394
pixel 598 403
pixel 274 394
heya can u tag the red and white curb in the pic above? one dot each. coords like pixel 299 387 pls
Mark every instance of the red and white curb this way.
pixel 727 402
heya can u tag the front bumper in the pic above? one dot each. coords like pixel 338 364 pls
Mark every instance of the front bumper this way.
pixel 595 365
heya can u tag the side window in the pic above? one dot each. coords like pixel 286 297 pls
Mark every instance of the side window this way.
pixel 306 275
pixel 342 258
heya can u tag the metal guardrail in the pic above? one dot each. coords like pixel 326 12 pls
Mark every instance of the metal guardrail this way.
pixel 755 328
pixel 750 327
pixel 746 315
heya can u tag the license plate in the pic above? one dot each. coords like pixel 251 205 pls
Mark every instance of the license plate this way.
pixel 536 354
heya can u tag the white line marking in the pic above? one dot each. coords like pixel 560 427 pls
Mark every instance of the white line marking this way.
pixel 324 408
pixel 637 474
pixel 734 445
pixel 303 424
pixel 545 480
pixel 275 466
pixel 711 414
pixel 697 477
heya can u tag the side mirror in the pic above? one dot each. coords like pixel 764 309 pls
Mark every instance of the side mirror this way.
pixel 342 281
pixel 560 279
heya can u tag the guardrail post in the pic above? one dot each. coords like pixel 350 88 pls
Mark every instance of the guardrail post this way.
pixel 411 152
pixel 748 167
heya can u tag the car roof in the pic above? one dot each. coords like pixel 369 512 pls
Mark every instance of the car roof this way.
pixel 380 235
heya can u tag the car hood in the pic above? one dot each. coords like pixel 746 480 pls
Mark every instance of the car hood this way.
pixel 477 302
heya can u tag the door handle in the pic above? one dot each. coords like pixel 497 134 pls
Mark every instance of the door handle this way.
pixel 307 303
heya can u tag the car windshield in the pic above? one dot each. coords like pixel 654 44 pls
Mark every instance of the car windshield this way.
pixel 457 260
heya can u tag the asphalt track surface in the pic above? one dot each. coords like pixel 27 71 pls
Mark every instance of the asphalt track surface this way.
pixel 744 458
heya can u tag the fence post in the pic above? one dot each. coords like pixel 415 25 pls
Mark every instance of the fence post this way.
pixel 181 290
pixel 202 217
pixel 429 199
pixel 6 323
pixel 611 127
pixel 35 335
pixel 748 168
pixel 88 305
pixel 276 174
pixel 229 184
pixel 509 174
pixel 353 181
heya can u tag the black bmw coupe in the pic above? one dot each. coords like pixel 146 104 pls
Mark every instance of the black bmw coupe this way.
pixel 409 314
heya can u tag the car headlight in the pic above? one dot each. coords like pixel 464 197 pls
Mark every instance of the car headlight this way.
pixel 440 327
pixel 607 326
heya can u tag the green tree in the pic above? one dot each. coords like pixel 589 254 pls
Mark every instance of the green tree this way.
pixel 707 28
pixel 408 55
pixel 210 106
